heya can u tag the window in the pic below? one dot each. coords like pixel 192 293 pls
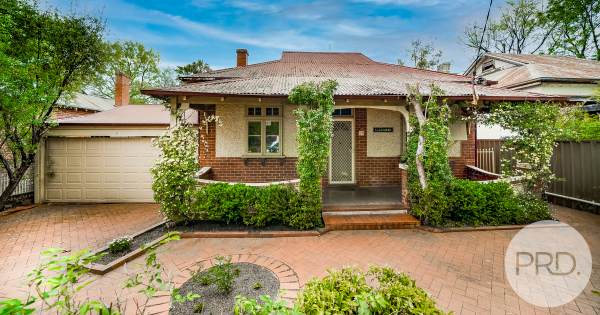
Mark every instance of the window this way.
pixel 263 131
pixel 488 65
pixel 343 112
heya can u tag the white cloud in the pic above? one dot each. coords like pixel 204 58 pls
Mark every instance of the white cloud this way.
pixel 420 3
pixel 355 30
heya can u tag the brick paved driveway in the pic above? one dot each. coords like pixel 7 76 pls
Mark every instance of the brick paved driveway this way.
pixel 463 271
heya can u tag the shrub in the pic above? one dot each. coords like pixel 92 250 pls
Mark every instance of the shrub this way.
pixel 492 203
pixel 223 274
pixel 257 285
pixel 255 206
pixel 120 244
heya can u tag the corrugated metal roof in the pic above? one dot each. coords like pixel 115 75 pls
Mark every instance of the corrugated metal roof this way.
pixel 155 114
pixel 93 102
pixel 356 74
pixel 530 67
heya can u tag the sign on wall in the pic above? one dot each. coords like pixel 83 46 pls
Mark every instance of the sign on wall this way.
pixel 383 129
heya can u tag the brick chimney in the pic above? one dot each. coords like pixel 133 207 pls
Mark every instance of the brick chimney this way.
pixel 242 57
pixel 122 89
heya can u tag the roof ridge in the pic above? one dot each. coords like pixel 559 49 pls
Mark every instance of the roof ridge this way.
pixel 228 69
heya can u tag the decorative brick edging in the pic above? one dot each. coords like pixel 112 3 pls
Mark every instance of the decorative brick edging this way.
pixel 17 209
pixel 288 279
pixel 256 234
pixel 103 269
pixel 477 229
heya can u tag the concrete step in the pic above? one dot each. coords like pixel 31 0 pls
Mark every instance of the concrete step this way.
pixel 371 222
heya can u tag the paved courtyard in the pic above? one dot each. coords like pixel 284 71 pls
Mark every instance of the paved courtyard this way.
pixel 463 271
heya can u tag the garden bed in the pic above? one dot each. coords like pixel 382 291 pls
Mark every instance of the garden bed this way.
pixel 218 302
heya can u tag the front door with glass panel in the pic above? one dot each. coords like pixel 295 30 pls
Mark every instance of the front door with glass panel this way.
pixel 341 158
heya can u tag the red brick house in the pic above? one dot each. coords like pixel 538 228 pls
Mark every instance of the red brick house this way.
pixel 256 142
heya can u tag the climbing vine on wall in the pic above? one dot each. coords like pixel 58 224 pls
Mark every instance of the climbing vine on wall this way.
pixel 315 130
pixel 174 171
pixel 428 193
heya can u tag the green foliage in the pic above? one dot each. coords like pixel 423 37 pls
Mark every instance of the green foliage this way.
pixel 352 291
pixel 423 55
pixel 582 126
pixel 596 292
pixel 255 206
pixel 205 280
pixel 177 298
pixel 576 28
pixel 199 308
pixel 17 307
pixel 141 64
pixel 430 203
pixel 195 67
pixel 270 306
pixel 198 278
pixel 120 244
pixel 315 130
pixel 222 273
pixel 237 271
pixel 45 55
pixel 535 128
pixel 257 285
pixel 493 204
pixel 174 182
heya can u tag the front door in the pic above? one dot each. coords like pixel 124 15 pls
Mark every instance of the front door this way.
pixel 341 158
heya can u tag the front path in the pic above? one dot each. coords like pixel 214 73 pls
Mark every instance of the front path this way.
pixel 463 271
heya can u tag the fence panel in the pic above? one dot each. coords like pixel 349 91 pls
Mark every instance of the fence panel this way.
pixel 25 185
pixel 495 146
pixel 578 164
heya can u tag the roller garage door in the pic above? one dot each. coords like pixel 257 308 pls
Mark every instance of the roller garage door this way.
pixel 104 170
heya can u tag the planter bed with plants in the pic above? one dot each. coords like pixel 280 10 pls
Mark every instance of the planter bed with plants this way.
pixel 219 286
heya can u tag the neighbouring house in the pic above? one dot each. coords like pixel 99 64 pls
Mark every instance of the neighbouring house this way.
pixel 577 79
pixel 104 157
pixel 83 104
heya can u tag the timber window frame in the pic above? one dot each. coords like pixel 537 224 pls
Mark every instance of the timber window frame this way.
pixel 271 131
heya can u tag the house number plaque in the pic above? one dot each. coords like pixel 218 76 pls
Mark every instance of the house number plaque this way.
pixel 383 129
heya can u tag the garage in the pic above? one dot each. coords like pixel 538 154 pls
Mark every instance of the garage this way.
pixel 99 170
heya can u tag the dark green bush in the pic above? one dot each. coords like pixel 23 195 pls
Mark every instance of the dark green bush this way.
pixel 492 203
pixel 255 206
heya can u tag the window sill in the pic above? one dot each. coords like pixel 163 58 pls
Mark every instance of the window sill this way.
pixel 263 158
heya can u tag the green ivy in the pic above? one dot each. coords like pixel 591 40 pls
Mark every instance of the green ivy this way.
pixel 315 130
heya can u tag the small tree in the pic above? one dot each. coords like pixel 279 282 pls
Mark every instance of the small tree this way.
pixel 428 171
pixel 315 130
pixel 175 169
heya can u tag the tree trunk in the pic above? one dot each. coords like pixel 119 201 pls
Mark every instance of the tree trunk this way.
pixel 421 142
pixel 13 183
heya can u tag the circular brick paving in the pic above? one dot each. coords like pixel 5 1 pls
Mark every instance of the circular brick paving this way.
pixel 288 279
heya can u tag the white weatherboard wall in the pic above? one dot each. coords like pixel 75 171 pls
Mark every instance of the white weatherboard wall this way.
pixel 103 170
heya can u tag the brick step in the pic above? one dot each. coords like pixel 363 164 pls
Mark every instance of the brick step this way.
pixel 363 212
pixel 346 208
pixel 370 222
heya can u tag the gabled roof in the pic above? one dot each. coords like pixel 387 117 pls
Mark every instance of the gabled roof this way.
pixel 133 115
pixel 525 68
pixel 91 102
pixel 357 75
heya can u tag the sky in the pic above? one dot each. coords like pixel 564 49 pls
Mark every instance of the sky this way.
pixel 211 30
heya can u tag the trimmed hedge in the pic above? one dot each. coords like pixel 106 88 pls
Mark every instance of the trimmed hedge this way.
pixel 256 206
pixel 492 204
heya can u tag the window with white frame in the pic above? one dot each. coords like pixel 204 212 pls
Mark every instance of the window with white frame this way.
pixel 263 130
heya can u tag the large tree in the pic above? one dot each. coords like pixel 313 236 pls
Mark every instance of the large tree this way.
pixel 134 59
pixel 576 28
pixel 45 56
pixel 195 67
pixel 520 29
pixel 422 55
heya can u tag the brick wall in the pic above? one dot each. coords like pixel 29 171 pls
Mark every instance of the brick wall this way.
pixel 372 171
pixel 232 169
pixel 476 174
pixel 65 112
pixel 459 164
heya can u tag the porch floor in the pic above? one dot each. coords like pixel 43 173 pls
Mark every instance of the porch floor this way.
pixel 362 196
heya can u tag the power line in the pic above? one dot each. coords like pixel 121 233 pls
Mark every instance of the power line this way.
pixel 484 28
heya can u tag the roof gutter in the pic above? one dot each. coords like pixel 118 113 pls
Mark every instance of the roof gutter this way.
pixel 387 96
pixel 551 79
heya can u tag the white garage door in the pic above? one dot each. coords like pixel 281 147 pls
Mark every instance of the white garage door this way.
pixel 99 170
